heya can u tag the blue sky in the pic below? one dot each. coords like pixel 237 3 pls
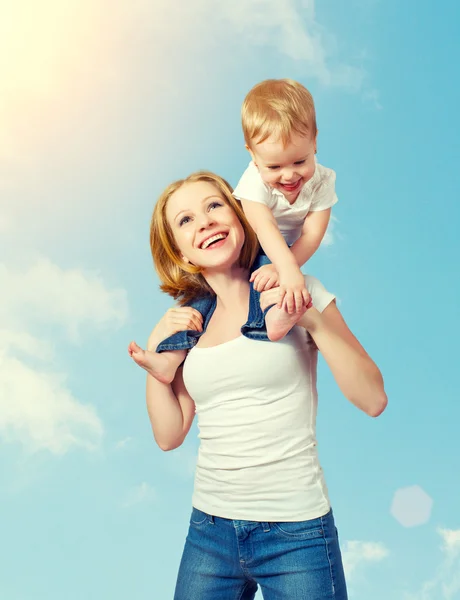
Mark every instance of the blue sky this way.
pixel 101 107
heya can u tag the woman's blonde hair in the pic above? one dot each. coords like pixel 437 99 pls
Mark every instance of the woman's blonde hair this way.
pixel 277 107
pixel 181 280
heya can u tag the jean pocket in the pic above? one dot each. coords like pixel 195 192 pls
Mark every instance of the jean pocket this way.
pixel 198 517
pixel 311 528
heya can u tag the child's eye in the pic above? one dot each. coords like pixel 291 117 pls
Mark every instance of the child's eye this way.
pixel 183 221
pixel 273 167
pixel 299 162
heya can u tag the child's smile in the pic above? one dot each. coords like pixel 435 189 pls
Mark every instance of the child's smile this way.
pixel 286 167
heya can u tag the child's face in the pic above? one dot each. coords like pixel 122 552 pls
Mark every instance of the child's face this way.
pixel 286 168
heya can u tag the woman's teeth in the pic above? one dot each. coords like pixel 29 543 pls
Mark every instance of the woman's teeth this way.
pixel 214 238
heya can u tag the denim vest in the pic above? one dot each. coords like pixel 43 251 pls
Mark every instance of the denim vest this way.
pixel 254 328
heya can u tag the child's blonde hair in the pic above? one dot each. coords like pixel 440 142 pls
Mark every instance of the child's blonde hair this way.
pixel 179 279
pixel 277 107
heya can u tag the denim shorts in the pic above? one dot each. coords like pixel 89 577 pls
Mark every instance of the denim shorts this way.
pixel 254 328
pixel 225 559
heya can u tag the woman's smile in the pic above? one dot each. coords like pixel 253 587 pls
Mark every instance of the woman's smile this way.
pixel 206 229
pixel 214 241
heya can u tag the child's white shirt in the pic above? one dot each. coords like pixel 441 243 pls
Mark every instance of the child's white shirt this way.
pixel 317 194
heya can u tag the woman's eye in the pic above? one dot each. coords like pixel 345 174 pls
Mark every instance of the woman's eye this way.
pixel 214 205
pixel 183 221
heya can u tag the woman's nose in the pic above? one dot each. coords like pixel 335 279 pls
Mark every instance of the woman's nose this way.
pixel 205 220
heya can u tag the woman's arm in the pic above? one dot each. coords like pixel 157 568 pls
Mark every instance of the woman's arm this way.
pixel 356 374
pixel 170 408
pixel 171 411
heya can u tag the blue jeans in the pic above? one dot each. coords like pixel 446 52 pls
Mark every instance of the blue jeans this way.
pixel 254 328
pixel 226 559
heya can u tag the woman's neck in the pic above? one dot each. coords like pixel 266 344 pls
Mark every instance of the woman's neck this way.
pixel 231 287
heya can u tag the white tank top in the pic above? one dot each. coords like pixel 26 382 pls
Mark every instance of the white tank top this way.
pixel 256 404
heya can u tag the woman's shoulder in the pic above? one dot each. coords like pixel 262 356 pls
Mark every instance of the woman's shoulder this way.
pixel 312 282
pixel 320 296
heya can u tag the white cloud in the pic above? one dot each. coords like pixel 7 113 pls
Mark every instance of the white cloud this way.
pixel 70 298
pixel 139 494
pixel 357 553
pixel 329 236
pixel 451 541
pixel 445 583
pixel 372 97
pixel 21 342
pixel 123 443
pixel 290 26
pixel 40 412
pixel 37 408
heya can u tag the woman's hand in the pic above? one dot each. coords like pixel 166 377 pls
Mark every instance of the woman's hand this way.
pixel 178 318
pixel 163 366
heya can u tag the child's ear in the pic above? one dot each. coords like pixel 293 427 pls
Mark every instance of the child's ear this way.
pixel 251 153
pixel 316 137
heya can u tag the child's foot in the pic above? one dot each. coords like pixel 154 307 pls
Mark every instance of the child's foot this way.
pixel 278 322
pixel 162 366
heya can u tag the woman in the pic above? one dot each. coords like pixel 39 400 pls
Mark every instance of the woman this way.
pixel 261 513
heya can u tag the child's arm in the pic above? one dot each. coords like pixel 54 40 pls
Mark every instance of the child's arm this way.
pixel 292 282
pixel 317 220
pixel 313 231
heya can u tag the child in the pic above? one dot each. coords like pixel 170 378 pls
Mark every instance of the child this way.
pixel 286 195
pixel 287 198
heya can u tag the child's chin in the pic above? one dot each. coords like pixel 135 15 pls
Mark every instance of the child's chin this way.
pixel 291 195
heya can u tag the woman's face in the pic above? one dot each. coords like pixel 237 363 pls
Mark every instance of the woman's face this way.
pixel 206 230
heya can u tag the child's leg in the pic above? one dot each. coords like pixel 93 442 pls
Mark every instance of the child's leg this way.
pixel 279 322
pixel 161 366
pixel 169 354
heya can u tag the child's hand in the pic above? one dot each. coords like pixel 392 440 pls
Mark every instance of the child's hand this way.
pixel 293 295
pixel 265 277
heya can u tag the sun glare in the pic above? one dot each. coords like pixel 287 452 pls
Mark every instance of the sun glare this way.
pixel 42 45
